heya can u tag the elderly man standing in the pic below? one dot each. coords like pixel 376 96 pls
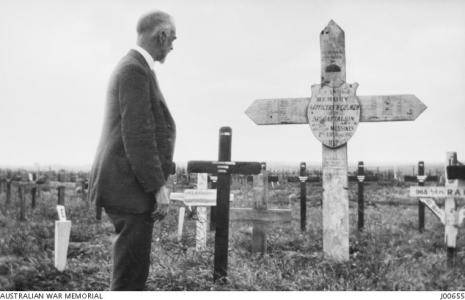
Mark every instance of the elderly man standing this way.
pixel 135 153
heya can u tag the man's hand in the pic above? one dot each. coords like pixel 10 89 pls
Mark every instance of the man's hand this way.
pixel 163 202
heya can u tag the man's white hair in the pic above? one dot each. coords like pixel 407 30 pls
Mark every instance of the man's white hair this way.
pixel 156 20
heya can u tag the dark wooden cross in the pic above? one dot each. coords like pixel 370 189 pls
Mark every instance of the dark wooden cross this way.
pixel 223 168
pixel 333 113
pixel 260 215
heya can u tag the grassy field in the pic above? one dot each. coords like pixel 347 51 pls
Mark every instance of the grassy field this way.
pixel 389 254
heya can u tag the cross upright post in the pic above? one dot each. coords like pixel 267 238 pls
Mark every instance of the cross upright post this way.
pixel 333 113
pixel 223 168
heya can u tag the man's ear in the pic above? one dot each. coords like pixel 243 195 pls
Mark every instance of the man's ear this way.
pixel 162 36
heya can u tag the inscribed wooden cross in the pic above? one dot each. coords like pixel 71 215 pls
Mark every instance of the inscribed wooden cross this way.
pixel 224 167
pixel 201 198
pixel 333 113
pixel 260 215
pixel 449 216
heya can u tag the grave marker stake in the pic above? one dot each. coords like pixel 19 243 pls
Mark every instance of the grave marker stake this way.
pixel 303 196
pixel 421 206
pixel 22 203
pixel 61 190
pixel 8 191
pixel 361 201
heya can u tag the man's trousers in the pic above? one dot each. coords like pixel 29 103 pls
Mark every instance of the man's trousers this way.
pixel 131 250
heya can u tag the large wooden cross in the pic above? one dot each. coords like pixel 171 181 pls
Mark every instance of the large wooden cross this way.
pixel 224 167
pixel 333 113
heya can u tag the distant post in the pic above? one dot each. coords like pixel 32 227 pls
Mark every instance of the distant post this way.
pixel 22 203
pixel 361 201
pixel 421 206
pixel 61 190
pixel 8 190
pixel 303 196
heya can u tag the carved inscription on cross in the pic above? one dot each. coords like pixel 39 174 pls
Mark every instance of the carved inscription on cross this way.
pixel 333 113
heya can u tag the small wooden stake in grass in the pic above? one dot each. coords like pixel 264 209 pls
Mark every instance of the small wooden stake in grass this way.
pixel 361 201
pixel 224 167
pixel 62 233
pixel 421 206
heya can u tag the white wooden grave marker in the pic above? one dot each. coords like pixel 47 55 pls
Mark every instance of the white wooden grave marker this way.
pixel 449 216
pixel 333 113
pixel 200 198
pixel 62 233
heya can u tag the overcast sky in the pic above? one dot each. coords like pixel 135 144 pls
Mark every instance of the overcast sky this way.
pixel 56 57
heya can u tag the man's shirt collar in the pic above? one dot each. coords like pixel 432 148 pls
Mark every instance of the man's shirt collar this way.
pixel 148 58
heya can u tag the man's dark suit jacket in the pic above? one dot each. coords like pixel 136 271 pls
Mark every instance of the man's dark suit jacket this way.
pixel 135 153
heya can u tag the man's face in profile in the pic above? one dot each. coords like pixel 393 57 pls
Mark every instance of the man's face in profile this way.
pixel 167 44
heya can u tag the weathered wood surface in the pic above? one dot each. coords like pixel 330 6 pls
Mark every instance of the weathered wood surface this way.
pixel 62 233
pixel 197 197
pixel 202 218
pixel 437 191
pixel 390 108
pixel 278 111
pixel 335 167
pixel 434 208
pixel 268 215
pixel 335 203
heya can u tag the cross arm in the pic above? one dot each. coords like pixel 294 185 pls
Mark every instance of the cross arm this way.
pixel 434 208
pixel 264 215
pixel 390 108
pixel 231 167
pixel 279 111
